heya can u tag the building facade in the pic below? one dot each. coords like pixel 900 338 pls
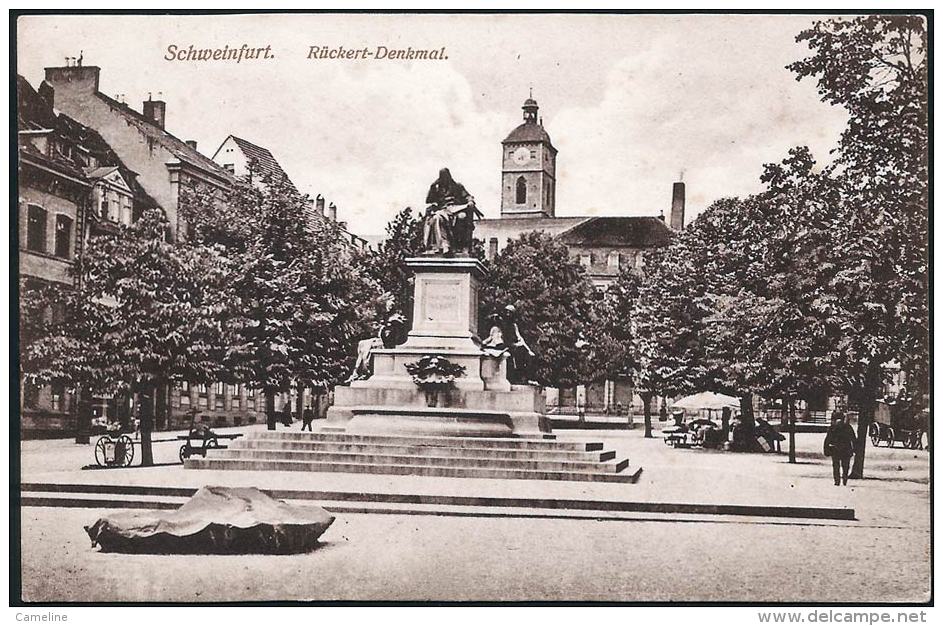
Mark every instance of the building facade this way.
pixel 71 186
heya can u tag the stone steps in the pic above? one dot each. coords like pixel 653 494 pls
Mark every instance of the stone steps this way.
pixel 470 457
pixel 430 459
pixel 423 440
pixel 416 450
pixel 212 462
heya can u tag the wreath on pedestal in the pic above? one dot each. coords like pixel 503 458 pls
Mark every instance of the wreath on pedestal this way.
pixel 434 375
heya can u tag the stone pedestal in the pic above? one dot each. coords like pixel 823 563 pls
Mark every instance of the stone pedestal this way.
pixel 445 323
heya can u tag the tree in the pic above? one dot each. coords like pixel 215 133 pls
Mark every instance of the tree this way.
pixel 555 303
pixel 147 312
pixel 875 67
pixel 304 300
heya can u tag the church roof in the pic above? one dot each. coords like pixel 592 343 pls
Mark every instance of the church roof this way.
pixel 528 131
pixel 510 227
pixel 622 231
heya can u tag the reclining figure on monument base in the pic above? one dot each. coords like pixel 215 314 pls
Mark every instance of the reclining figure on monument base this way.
pixel 387 332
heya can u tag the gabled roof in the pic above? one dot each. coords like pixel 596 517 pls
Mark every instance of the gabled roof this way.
pixel 265 163
pixel 175 146
pixel 632 232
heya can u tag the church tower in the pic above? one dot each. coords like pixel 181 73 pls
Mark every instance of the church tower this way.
pixel 528 172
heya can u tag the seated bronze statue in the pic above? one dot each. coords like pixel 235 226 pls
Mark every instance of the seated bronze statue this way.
pixel 450 217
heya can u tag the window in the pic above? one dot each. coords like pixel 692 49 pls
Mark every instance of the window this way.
pixel 230 167
pixel 521 197
pixel 127 215
pixel 586 260
pixel 218 388
pixel 533 154
pixel 30 395
pixel 614 261
pixel 36 229
pixel 104 209
pixel 184 393
pixel 58 397
pixel 63 235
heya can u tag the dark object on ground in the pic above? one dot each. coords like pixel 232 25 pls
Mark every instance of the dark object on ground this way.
pixel 767 438
pixel 216 520
pixel 200 439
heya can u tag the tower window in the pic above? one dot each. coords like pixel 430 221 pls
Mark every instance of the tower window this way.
pixel 521 196
pixel 533 154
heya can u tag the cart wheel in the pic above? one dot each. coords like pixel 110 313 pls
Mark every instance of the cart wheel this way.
pixel 913 440
pixel 184 453
pixel 100 451
pixel 874 431
pixel 128 450
pixel 212 443
pixel 890 437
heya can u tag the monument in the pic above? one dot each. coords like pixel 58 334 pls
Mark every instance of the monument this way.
pixel 476 398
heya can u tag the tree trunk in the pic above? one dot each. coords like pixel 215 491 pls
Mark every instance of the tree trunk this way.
pixel 747 422
pixel 146 412
pixel 270 417
pixel 300 403
pixel 865 417
pixel 161 406
pixel 647 411
pixel 82 410
pixel 792 430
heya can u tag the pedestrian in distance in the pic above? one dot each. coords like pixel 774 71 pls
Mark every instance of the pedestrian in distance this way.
pixel 840 445
pixel 307 416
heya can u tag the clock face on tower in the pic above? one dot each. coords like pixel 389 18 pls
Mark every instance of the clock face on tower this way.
pixel 521 155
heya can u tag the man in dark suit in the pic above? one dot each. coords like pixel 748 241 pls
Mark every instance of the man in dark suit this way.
pixel 840 445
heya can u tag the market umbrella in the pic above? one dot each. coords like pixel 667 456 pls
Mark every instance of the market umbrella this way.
pixel 216 520
pixel 706 400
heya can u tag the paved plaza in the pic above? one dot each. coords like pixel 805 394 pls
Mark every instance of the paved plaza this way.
pixel 519 552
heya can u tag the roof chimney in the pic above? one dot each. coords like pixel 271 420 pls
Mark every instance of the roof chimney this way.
pixel 155 111
pixel 677 206
pixel 319 204
pixel 343 225
pixel 332 212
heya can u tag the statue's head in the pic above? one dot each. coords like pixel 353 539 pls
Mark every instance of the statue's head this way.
pixel 445 176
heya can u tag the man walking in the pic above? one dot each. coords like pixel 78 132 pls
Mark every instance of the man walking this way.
pixel 307 416
pixel 840 445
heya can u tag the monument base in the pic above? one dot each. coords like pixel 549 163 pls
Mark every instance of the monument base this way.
pixel 445 323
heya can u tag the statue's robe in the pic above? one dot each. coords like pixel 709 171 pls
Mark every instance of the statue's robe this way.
pixel 446 201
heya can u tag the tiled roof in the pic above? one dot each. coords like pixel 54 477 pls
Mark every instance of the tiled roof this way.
pixel 632 232
pixel 176 146
pixel 510 227
pixel 265 163
pixel 528 131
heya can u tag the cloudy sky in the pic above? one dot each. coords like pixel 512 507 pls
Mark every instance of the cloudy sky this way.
pixel 630 101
